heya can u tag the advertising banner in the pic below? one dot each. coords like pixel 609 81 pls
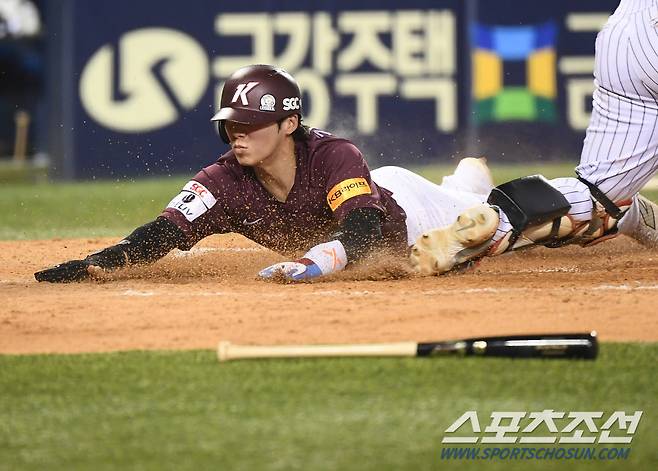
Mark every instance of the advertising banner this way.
pixel 411 83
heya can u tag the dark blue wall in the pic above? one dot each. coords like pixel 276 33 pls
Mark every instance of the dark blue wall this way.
pixel 133 84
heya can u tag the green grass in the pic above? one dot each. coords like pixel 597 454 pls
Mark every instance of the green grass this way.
pixel 156 410
pixel 183 410
pixel 106 208
pixel 83 209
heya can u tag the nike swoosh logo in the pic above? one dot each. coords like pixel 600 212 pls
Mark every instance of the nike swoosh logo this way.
pixel 472 224
pixel 251 223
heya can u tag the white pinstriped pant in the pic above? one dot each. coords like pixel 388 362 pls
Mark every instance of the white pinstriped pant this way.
pixel 620 151
pixel 426 204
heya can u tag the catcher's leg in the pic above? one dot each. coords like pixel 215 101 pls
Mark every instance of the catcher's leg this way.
pixel 525 212
pixel 527 204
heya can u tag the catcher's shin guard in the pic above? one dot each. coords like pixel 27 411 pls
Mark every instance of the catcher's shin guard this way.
pixel 565 231
pixel 562 229
pixel 538 213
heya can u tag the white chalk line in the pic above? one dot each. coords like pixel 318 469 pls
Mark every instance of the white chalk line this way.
pixel 544 270
pixel 134 292
pixel 624 287
pixel 249 294
pixel 355 294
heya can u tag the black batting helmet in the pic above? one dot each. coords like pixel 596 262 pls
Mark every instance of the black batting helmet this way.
pixel 258 94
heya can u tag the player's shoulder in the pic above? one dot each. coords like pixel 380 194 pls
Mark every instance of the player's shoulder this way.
pixel 222 176
pixel 325 143
pixel 226 165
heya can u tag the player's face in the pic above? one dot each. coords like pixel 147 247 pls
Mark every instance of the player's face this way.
pixel 253 144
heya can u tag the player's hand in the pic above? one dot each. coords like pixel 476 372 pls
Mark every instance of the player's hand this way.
pixel 300 270
pixel 67 272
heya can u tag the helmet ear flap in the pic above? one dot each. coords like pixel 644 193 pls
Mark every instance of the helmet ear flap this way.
pixel 221 128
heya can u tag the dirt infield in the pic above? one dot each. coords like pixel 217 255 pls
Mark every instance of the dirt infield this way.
pixel 192 300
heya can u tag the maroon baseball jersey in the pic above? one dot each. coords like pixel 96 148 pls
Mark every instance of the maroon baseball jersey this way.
pixel 331 179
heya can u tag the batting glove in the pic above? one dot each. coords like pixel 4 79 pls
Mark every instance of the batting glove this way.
pixel 67 272
pixel 92 266
pixel 322 259
pixel 299 270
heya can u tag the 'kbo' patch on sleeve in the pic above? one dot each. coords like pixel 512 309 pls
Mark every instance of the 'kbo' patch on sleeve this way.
pixel 347 189
pixel 193 200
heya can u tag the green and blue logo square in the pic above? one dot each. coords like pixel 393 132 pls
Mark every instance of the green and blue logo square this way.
pixel 514 72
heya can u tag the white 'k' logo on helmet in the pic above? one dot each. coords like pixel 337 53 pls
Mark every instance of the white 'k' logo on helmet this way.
pixel 241 92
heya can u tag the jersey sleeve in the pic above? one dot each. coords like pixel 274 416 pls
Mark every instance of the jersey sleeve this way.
pixel 348 183
pixel 198 210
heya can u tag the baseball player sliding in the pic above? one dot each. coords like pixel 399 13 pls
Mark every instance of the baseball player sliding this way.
pixel 620 155
pixel 292 189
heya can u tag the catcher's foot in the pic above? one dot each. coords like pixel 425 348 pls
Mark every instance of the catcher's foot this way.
pixel 440 250
pixel 646 229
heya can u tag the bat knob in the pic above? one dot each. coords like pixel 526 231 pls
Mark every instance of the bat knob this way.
pixel 222 350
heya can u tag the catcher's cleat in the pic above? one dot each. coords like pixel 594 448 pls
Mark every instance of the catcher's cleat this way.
pixel 468 238
pixel 646 229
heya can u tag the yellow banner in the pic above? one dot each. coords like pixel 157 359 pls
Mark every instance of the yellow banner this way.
pixel 347 189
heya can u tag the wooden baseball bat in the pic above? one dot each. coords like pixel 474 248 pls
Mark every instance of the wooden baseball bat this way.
pixel 579 345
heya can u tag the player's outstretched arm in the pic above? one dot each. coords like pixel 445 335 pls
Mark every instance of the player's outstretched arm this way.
pixel 360 233
pixel 144 245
